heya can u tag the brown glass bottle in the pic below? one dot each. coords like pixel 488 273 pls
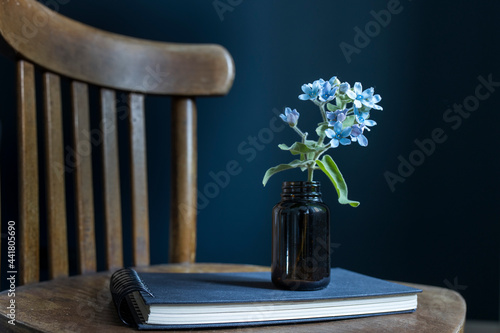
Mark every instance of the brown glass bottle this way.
pixel 301 238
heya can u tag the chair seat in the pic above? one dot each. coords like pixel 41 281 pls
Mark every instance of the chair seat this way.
pixel 83 304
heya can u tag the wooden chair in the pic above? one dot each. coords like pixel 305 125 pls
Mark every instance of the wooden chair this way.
pixel 42 41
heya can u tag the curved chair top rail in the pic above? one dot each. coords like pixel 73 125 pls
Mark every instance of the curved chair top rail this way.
pixel 78 51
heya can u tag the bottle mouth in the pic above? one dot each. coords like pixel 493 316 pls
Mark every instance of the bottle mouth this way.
pixel 301 189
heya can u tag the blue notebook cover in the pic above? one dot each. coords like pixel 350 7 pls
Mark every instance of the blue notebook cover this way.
pixel 235 288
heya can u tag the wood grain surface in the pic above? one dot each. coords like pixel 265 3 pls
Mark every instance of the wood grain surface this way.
pixel 183 208
pixel 29 223
pixel 64 46
pixel 84 196
pixel 83 304
pixel 139 181
pixel 54 175
pixel 111 181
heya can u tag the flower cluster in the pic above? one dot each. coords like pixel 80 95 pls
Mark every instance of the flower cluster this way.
pixel 345 111
pixel 347 123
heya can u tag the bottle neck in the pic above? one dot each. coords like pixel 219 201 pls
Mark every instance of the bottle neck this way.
pixel 301 190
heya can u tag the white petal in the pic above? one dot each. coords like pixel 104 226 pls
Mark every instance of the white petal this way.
pixel 363 141
pixel 329 133
pixel 358 88
pixel 351 94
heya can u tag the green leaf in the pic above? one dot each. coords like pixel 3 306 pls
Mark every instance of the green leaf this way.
pixel 310 157
pixel 311 144
pixel 299 148
pixel 328 166
pixel 349 121
pixel 271 171
pixel 332 107
pixel 320 130
pixel 283 146
pixel 340 103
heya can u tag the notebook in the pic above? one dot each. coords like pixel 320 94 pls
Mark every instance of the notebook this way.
pixel 161 301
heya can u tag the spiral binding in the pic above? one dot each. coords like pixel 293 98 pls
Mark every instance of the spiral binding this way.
pixel 123 282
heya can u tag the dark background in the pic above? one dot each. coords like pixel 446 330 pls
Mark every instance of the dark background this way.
pixel 440 226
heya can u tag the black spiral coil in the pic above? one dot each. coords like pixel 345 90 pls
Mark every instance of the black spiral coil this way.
pixel 123 282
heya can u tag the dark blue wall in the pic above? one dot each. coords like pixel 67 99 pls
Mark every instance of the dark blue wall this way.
pixel 437 224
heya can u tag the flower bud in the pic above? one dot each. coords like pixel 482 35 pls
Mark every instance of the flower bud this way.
pixel 290 117
pixel 344 87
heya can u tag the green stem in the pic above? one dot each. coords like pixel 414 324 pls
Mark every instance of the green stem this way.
pixel 321 152
pixel 302 134
pixel 321 138
pixel 310 171
pixel 323 112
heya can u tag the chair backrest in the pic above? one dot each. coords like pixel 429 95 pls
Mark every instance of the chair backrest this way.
pixel 40 38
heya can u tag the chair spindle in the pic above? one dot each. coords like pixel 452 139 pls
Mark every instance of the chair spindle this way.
pixel 184 187
pixel 29 256
pixel 84 196
pixel 140 210
pixel 111 181
pixel 55 174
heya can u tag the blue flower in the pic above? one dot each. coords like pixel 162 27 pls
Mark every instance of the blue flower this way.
pixel 338 135
pixel 344 88
pixel 311 91
pixel 357 135
pixel 335 116
pixel 361 118
pixel 333 81
pixel 327 92
pixel 362 124
pixel 365 98
pixel 290 117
